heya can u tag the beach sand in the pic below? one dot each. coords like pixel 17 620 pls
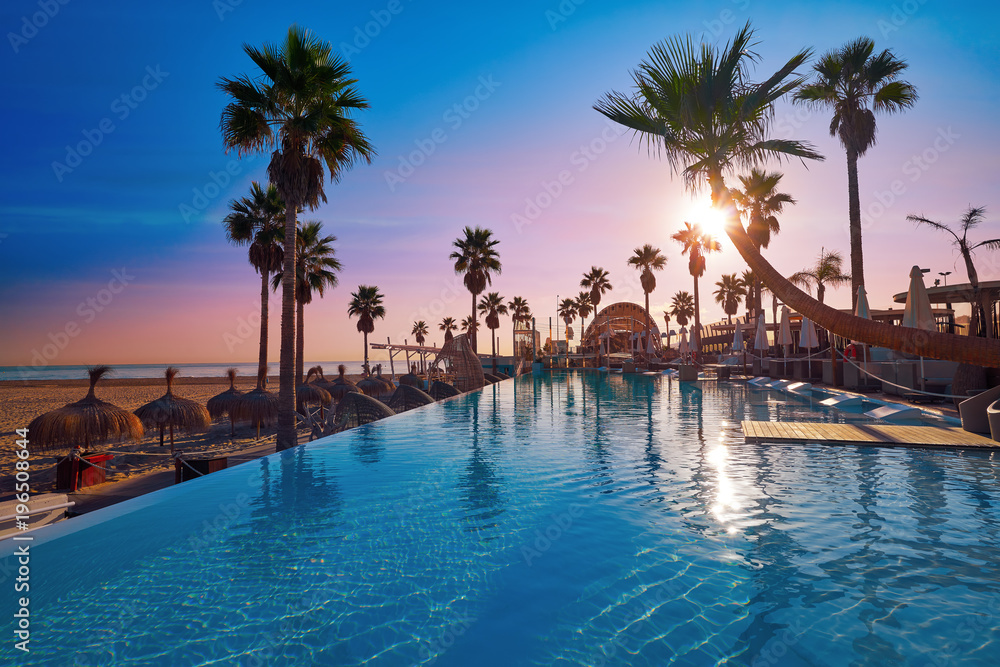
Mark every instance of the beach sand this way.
pixel 22 401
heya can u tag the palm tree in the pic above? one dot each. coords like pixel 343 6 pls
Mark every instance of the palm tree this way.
pixel 492 307
pixel 646 260
pixel 827 271
pixel 316 271
pixel 759 202
pixel 698 107
pixel 476 257
pixel 366 305
pixel 666 321
pixel 598 282
pixel 469 325
pixel 682 308
pixel 447 326
pixel 520 313
pixel 420 332
pixel 982 310
pixel 258 220
pixel 584 307
pixel 697 244
pixel 567 311
pixel 729 294
pixel 299 108
pixel 855 83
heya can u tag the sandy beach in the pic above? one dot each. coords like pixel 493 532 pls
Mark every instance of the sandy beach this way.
pixel 22 401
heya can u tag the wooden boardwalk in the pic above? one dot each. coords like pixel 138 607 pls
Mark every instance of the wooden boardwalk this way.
pixel 878 435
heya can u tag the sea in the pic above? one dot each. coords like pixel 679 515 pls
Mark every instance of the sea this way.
pixel 248 369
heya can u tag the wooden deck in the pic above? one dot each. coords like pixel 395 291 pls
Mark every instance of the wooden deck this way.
pixel 877 435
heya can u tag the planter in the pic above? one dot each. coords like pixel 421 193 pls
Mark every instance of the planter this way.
pixel 78 474
pixel 183 473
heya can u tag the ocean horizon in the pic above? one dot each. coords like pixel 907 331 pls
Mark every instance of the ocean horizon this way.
pixel 246 369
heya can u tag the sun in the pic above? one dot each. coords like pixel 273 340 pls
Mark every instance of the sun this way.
pixel 710 218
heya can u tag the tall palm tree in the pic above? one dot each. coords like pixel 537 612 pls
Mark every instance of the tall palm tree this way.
pixel 855 82
pixel 698 107
pixel 476 257
pixel 730 292
pixel 682 308
pixel 299 107
pixel 259 220
pixel 598 282
pixel 697 243
pixel 666 321
pixel 420 332
pixel 366 305
pixel 646 260
pixel 982 310
pixel 316 271
pixel 492 307
pixel 567 311
pixel 828 271
pixel 584 307
pixel 760 202
pixel 447 326
pixel 520 313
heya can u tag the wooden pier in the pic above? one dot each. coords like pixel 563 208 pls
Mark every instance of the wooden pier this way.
pixel 877 435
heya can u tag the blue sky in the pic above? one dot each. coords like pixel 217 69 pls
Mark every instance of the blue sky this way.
pixel 543 63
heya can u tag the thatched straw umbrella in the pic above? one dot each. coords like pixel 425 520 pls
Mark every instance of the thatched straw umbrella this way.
pixel 258 407
pixel 342 385
pixel 356 409
pixel 441 390
pixel 310 394
pixel 88 421
pixel 319 380
pixel 169 412
pixel 222 404
pixel 406 397
pixel 372 386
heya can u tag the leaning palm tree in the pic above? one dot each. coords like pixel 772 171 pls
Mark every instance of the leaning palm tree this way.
pixel 447 326
pixel 299 107
pixel 646 260
pixel 697 243
pixel 317 271
pixel 729 294
pixel 828 271
pixel 597 281
pixel 682 308
pixel 696 105
pixel 760 202
pixel 855 82
pixel 982 309
pixel 476 257
pixel 492 307
pixel 366 305
pixel 259 220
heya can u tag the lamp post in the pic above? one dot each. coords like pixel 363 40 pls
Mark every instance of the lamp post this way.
pixel 944 274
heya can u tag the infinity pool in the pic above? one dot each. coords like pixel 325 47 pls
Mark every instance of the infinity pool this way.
pixel 570 518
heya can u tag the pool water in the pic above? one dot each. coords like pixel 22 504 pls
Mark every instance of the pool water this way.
pixel 568 518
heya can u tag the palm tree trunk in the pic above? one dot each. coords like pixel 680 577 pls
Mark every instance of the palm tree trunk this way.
pixel 978 351
pixel 821 292
pixel 697 319
pixel 647 318
pixel 472 331
pixel 982 309
pixel 366 351
pixel 262 355
pixel 286 374
pixel 493 346
pixel 854 204
pixel 300 342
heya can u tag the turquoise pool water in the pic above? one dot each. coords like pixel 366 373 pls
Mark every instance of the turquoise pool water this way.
pixel 571 518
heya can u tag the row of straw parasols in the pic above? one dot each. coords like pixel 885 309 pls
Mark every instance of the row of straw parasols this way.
pixel 91 421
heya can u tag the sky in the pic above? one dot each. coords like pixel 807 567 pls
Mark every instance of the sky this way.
pixel 116 180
